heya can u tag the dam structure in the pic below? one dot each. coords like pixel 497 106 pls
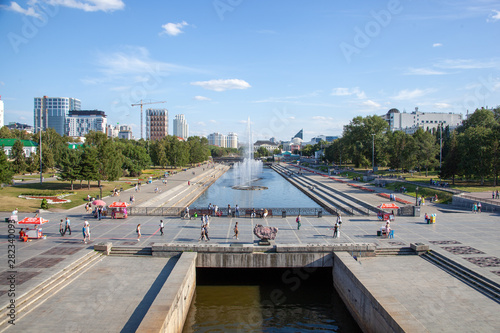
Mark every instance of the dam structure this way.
pixel 442 277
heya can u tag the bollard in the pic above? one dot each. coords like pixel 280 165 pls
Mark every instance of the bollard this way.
pixel 283 214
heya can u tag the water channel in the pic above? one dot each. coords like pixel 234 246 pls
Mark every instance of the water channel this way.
pixel 265 300
pixel 280 193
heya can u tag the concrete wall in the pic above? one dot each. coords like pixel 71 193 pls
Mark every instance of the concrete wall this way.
pixel 364 296
pixel 249 256
pixel 458 200
pixel 171 306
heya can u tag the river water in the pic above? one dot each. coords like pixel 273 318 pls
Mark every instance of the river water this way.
pixel 280 193
pixel 267 300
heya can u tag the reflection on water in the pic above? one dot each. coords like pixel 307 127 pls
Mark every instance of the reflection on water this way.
pixel 280 193
pixel 270 300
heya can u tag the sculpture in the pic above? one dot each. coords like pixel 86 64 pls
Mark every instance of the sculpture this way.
pixel 265 233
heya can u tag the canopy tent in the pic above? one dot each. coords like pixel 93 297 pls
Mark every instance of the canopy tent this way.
pixel 33 220
pixel 119 204
pixel 388 206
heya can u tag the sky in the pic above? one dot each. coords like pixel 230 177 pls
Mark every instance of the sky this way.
pixel 285 64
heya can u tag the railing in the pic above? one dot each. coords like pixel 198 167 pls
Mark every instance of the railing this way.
pixel 272 211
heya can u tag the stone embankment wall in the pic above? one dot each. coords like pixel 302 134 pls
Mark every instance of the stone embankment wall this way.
pixel 171 306
pixel 364 296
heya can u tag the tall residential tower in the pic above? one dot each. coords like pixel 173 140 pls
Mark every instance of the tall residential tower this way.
pixel 156 124
pixel 181 127
pixel 52 112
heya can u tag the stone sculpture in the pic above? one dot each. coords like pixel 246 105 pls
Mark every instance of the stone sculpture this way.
pixel 265 233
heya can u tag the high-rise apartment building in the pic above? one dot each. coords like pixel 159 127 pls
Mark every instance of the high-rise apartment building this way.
pixel 156 124
pixel 52 112
pixel 2 121
pixel 181 127
pixel 232 140
pixel 125 132
pixel 79 123
pixel 217 139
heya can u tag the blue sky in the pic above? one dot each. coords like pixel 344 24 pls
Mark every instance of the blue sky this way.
pixel 285 64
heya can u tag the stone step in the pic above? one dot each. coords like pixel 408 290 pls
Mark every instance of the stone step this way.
pixel 482 284
pixel 394 251
pixel 131 251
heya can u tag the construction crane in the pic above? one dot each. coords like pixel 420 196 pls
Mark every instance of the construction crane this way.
pixel 141 104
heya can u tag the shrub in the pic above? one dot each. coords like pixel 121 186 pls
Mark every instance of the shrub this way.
pixel 44 204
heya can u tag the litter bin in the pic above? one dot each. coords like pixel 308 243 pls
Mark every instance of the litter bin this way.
pixel 283 213
pixel 379 233
pixel 416 211
pixel 320 213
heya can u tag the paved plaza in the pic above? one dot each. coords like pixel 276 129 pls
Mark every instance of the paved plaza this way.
pixel 472 240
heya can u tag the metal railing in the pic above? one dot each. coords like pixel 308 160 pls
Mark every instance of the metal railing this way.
pixel 243 212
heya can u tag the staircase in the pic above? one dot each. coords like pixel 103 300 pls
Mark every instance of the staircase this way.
pixel 394 251
pixel 130 251
pixel 482 284
pixel 50 286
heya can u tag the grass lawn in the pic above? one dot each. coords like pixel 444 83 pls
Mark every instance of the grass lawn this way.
pixel 443 197
pixel 10 200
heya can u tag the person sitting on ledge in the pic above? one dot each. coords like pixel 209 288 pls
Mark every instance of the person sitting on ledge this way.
pixel 427 218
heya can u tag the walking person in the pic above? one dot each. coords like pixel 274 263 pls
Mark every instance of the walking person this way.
pixel 298 222
pixel 236 231
pixel 206 232
pixel 61 228
pixel 67 226
pixel 237 211
pixel 339 219
pixel 161 227
pixel 138 231
pixel 87 226
pixel 335 230
pixel 203 235
pixel 479 207
pixel 84 232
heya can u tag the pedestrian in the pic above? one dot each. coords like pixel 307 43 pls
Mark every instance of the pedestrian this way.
pixel 161 227
pixel 237 211
pixel 138 231
pixel 228 210
pixel 479 207
pixel 84 232
pixel 236 231
pixel 67 226
pixel 497 195
pixel 206 232
pixel 189 183
pixel 61 228
pixel 335 230
pixel 87 226
pixel 203 235
pixel 298 222
pixel 493 194
pixel 339 219
pixel 186 213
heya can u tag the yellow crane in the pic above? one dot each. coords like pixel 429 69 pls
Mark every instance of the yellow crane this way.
pixel 141 104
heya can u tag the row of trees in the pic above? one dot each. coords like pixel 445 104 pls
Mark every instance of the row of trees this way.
pixel 100 158
pixel 471 150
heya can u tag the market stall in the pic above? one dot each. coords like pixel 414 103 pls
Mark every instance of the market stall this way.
pixel 119 210
pixel 99 210
pixel 387 216
pixel 35 232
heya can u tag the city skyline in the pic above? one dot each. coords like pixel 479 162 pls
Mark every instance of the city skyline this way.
pixel 287 65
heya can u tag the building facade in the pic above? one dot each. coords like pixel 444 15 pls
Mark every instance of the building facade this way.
pixel 29 147
pixel 232 140
pixel 156 124
pixel 79 123
pixel 51 112
pixel 2 117
pixel 125 132
pixel 181 127
pixel 269 145
pixel 112 131
pixel 410 122
pixel 21 127
pixel 217 139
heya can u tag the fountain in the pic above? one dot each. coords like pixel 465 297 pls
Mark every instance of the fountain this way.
pixel 248 171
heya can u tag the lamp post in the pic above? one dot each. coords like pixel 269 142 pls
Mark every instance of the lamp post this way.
pixel 416 196
pixel 440 147
pixel 373 153
pixel 41 175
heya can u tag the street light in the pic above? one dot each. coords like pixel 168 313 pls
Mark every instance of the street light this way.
pixel 373 153
pixel 41 175
pixel 416 196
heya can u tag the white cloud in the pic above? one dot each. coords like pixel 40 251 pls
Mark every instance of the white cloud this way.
pixel 90 5
pixel 371 104
pixel 173 29
pixel 411 94
pixel 213 121
pixel 442 105
pixel 221 85
pixel 495 16
pixel 437 45
pixel 30 11
pixel 201 123
pixel 467 64
pixel 348 92
pixel 424 71
pixel 201 98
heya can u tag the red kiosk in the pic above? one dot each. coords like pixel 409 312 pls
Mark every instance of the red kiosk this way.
pixel 119 210
pixel 36 232
pixel 384 216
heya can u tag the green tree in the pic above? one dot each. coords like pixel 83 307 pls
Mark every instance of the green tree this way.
pixel 70 164
pixel 427 149
pixel 451 162
pixel 19 162
pixel 89 165
pixel 402 150
pixel 475 150
pixel 5 169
